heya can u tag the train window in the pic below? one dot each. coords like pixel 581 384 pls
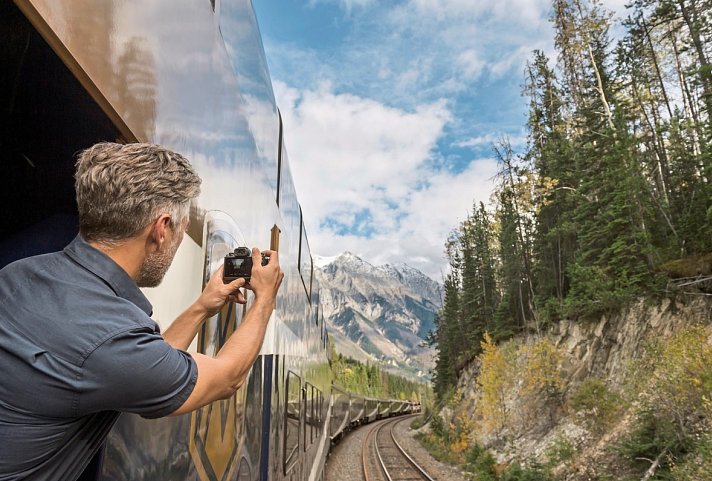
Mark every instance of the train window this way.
pixel 279 154
pixel 289 205
pixel 292 420
pixel 305 264
pixel 277 423
pixel 315 299
pixel 308 414
pixel 315 413
pixel 318 413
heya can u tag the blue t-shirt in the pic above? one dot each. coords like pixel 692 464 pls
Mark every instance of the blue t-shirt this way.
pixel 77 346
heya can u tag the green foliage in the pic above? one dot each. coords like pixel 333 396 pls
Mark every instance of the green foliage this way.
pixel 697 464
pixel 672 387
pixel 480 462
pixel 596 405
pixel 561 450
pixel 371 380
pixel 516 472
pixel 593 293
pixel 652 437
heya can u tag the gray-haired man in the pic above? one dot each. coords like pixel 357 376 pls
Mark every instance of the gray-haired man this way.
pixel 77 344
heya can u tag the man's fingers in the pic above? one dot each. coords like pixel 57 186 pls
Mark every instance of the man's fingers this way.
pixel 271 254
pixel 240 298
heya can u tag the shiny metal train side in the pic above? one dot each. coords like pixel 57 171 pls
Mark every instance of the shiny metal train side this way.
pixel 191 75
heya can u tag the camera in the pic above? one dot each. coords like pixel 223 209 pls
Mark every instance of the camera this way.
pixel 239 264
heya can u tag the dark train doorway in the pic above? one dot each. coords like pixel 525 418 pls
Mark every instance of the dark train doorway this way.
pixel 46 118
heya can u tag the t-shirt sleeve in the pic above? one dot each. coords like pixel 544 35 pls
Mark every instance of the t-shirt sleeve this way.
pixel 136 371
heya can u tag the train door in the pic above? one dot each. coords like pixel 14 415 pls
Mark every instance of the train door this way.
pixel 46 117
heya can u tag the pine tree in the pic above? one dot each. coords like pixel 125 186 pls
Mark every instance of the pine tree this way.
pixel 515 233
pixel 550 152
pixel 479 288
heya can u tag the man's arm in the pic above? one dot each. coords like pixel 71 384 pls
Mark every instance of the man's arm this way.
pixel 219 377
pixel 184 329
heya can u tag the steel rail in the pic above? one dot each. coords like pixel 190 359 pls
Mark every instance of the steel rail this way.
pixel 416 468
pixel 364 449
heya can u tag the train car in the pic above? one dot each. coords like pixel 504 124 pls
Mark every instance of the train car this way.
pixel 191 75
pixel 385 408
pixel 340 406
pixel 371 410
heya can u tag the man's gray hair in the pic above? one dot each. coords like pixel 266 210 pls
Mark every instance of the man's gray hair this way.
pixel 121 189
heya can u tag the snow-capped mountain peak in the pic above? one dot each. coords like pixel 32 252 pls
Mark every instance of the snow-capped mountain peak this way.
pixel 378 312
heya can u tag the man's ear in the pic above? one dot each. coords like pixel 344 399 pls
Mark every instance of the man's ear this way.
pixel 159 230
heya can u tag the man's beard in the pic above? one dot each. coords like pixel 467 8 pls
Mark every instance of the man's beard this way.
pixel 154 267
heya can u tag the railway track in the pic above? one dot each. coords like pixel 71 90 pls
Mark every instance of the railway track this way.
pixel 383 459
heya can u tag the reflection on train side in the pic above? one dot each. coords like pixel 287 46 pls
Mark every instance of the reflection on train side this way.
pixel 216 431
pixel 191 75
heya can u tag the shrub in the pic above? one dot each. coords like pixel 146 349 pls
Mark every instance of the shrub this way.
pixel 495 381
pixel 562 449
pixel 696 465
pixel 598 405
pixel 480 462
pixel 651 437
pixel 516 472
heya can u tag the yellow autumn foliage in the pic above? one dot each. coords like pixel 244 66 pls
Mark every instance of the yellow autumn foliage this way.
pixel 494 381
pixel 541 368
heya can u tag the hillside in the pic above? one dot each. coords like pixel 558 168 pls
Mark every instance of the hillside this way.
pixel 379 313
pixel 625 397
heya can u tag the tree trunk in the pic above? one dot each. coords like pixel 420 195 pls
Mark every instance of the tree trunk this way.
pixel 692 27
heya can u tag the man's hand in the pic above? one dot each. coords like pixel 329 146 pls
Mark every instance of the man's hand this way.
pixel 216 293
pixel 265 280
pixel 220 376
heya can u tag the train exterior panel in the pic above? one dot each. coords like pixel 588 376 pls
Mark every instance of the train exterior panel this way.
pixel 190 75
pixel 340 405
pixel 371 410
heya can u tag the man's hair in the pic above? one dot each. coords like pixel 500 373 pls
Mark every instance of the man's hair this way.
pixel 123 188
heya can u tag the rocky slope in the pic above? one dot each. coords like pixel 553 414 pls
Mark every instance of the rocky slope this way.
pixel 574 433
pixel 379 313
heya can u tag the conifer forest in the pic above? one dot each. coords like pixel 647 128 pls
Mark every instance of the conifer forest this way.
pixel 612 196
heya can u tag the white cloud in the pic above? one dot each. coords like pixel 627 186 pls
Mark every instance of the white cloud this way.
pixel 350 153
pixel 347 5
pixel 470 63
pixel 492 138
pixel 355 151
pixel 363 119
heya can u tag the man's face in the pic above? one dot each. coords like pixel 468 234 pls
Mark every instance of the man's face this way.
pixel 156 264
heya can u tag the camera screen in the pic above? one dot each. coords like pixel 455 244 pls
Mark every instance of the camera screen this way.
pixel 235 264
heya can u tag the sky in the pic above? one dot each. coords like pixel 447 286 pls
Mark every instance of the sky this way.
pixel 390 110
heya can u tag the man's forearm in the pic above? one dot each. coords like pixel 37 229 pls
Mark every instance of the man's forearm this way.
pixel 241 349
pixel 183 330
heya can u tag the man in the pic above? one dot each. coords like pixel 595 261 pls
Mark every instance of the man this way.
pixel 77 344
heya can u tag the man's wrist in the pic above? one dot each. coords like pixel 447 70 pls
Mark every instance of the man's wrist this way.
pixel 199 311
pixel 265 301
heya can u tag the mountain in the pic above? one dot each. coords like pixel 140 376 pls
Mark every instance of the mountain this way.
pixel 379 313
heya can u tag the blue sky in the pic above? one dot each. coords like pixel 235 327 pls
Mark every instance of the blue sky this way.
pixel 390 110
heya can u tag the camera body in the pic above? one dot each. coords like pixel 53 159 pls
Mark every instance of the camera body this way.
pixel 238 264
